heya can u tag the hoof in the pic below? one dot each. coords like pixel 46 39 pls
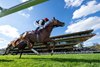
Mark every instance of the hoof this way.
pixel 38 54
pixel 4 54
pixel 51 54
pixel 19 57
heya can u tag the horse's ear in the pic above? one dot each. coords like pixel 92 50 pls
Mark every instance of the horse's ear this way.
pixel 53 18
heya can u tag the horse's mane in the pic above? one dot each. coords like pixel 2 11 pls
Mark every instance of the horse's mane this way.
pixel 48 24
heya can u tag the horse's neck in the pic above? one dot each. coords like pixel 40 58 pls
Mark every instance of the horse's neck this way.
pixel 48 29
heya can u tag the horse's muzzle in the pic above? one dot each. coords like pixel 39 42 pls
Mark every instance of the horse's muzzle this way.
pixel 63 24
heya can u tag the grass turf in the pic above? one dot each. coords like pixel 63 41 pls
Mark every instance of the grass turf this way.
pixel 61 60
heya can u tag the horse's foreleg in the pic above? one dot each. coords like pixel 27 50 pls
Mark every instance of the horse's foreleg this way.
pixel 52 41
pixel 35 51
pixel 48 48
pixel 53 48
pixel 31 47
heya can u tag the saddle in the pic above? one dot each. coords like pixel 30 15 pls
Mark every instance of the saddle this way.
pixel 37 34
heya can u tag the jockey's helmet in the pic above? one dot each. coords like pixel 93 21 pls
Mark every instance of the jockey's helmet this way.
pixel 46 19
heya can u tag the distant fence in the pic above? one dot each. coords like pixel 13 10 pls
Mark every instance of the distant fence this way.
pixel 69 52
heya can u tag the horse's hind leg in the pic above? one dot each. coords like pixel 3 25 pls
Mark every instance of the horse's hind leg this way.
pixel 21 53
pixel 7 50
pixel 21 46
pixel 17 52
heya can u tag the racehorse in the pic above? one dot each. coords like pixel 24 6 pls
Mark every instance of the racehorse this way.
pixel 42 36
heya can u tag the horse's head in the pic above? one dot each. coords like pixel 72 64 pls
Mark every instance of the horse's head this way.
pixel 57 23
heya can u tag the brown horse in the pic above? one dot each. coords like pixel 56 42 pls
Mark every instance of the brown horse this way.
pixel 42 36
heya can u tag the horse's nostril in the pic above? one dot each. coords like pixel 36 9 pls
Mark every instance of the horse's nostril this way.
pixel 63 23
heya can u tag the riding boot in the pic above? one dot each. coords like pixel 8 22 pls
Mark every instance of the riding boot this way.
pixel 36 31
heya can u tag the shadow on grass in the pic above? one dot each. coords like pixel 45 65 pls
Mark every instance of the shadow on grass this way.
pixel 3 60
pixel 66 60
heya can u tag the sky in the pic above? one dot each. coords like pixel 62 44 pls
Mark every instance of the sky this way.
pixel 78 15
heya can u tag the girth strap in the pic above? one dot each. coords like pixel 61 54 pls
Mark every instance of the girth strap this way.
pixel 37 37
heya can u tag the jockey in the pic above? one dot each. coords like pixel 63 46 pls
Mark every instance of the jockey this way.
pixel 41 23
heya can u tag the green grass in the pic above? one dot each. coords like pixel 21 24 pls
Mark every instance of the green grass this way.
pixel 61 60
